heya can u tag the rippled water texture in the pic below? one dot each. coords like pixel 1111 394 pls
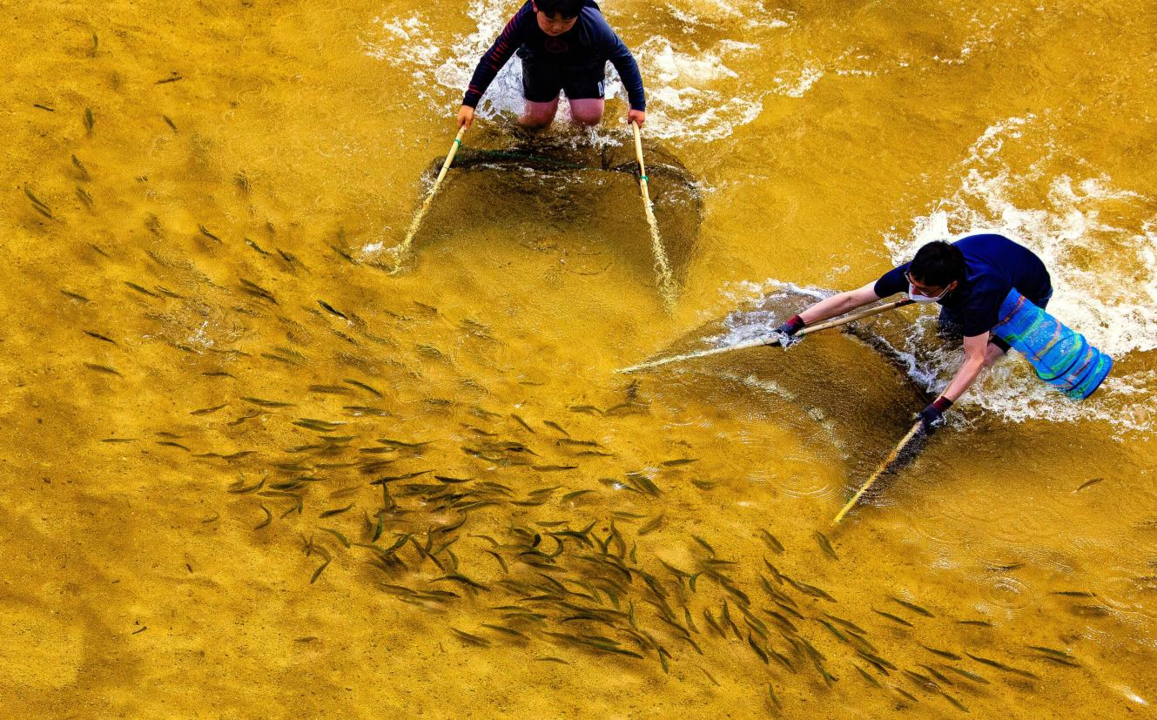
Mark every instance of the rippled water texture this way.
pixel 248 471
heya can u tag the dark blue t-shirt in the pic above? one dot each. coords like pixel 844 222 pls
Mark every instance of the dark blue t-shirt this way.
pixel 590 42
pixel 995 265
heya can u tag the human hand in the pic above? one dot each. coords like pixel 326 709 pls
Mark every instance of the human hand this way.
pixel 785 334
pixel 636 116
pixel 465 116
pixel 932 416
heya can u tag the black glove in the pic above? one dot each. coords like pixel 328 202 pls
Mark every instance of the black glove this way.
pixel 785 333
pixel 933 415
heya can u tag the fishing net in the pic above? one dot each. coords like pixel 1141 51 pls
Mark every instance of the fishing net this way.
pixel 504 176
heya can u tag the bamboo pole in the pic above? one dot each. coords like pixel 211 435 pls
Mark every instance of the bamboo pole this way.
pixel 662 265
pixel 772 341
pixel 400 252
pixel 880 470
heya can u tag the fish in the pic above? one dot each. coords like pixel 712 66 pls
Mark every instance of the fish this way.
pixel 1074 593
pixel 553 468
pixel 771 541
pixel 966 674
pixel 912 606
pixel 143 291
pixel 552 424
pixel 75 296
pixel 400 443
pixel 651 526
pixel 706 545
pixel 978 623
pixel 936 674
pixel 290 258
pixel 341 538
pixel 587 409
pixel 825 544
pixel 834 630
pixel 522 422
pixel 84 196
pixel 330 309
pixel 324 565
pixel 878 662
pixel 581 443
pixel 955 703
pixel 920 679
pixel 811 590
pixel 169 121
pixel 89 120
pixel 205 231
pixel 42 106
pixel 576 494
pixel 1001 666
pixel 81 169
pixel 266 403
pixel 679 461
pixel 1050 651
pixel 904 694
pixel 470 638
pixel 867 676
pixel 331 390
pixel 102 369
pixel 336 511
pixel 1088 483
pixel 1067 662
pixel 239 486
pixel 643 483
pixel 459 578
pixel 363 386
pixel 100 337
pixel 893 618
pixel 170 443
pixel 268 518
pixel 208 410
pixel 770 694
pixel 252 288
pixel 942 653
pixel 846 623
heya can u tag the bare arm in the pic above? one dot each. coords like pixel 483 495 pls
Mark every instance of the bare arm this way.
pixel 840 304
pixel 975 348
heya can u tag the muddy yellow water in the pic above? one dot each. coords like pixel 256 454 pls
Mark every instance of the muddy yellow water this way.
pixel 249 471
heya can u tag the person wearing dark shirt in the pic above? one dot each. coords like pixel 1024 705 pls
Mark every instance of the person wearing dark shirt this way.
pixel 564 46
pixel 969 278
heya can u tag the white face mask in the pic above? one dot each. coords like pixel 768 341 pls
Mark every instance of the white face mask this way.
pixel 918 298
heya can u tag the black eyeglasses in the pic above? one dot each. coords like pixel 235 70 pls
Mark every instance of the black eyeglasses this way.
pixel 921 287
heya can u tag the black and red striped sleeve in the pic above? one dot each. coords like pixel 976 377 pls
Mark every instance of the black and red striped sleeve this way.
pixel 508 41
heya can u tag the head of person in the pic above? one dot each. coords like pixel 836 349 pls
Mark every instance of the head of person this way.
pixel 937 270
pixel 557 16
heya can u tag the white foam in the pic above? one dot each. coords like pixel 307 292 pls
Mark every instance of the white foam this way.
pixel 796 86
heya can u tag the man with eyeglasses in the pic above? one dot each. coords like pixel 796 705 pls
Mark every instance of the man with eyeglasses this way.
pixel 969 278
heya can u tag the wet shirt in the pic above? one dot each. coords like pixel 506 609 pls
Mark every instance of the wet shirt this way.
pixel 591 42
pixel 994 266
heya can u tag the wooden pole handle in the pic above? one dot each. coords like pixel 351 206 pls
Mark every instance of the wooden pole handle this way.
pixel 879 471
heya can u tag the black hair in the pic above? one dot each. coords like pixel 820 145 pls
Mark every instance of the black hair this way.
pixel 937 264
pixel 565 8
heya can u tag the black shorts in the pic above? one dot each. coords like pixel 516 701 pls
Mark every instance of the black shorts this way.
pixel 949 329
pixel 542 81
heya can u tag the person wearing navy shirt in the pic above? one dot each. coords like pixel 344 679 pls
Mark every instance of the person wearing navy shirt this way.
pixel 564 46
pixel 970 279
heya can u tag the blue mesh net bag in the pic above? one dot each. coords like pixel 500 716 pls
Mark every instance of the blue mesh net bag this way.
pixel 1061 357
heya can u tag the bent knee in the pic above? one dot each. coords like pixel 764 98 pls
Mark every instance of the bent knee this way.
pixel 587 112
